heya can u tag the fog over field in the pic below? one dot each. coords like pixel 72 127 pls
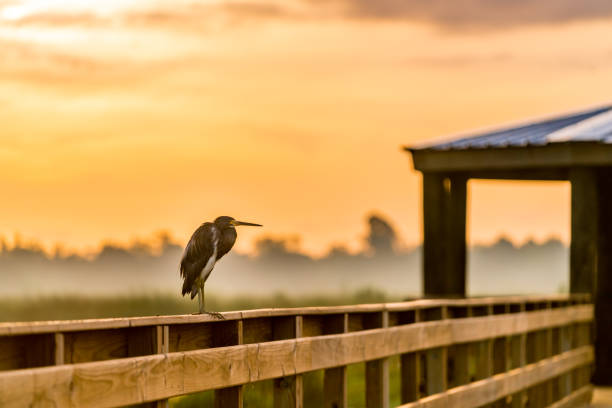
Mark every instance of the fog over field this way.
pixel 278 266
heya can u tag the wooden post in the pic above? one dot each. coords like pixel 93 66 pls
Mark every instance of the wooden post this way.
pixel 231 397
pixel 334 379
pixel 288 391
pixel 410 371
pixel 603 294
pixel 585 223
pixel 444 241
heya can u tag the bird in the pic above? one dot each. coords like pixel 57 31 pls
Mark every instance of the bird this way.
pixel 209 243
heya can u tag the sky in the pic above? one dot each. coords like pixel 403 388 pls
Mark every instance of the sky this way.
pixel 122 118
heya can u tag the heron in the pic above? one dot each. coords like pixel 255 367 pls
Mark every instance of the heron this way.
pixel 206 246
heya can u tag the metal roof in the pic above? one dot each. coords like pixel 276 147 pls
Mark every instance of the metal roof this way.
pixel 594 125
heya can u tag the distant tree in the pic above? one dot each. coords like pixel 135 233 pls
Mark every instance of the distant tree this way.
pixel 382 237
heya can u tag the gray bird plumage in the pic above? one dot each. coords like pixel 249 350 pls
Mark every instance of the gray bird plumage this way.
pixel 209 243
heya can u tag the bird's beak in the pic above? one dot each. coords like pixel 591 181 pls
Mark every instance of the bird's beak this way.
pixel 237 223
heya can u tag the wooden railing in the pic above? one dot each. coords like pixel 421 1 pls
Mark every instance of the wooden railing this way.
pixel 500 352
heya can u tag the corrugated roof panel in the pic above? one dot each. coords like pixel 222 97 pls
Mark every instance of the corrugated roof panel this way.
pixel 592 125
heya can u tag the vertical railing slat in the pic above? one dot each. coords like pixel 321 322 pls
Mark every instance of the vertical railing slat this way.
pixel 410 371
pixel 377 371
pixel 437 365
pixel 231 397
pixel 288 391
pixel 334 379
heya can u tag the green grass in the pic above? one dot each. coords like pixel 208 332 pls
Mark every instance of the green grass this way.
pixel 82 307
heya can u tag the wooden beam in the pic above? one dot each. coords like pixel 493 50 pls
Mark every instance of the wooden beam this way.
pixel 585 230
pixel 489 390
pixel 444 240
pixel 67 326
pixel 558 155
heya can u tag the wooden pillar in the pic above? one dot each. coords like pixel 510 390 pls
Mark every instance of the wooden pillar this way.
pixel 585 222
pixel 603 284
pixel 444 242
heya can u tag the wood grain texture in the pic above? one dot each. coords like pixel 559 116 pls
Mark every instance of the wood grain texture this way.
pixel 492 389
pixel 229 333
pixel 139 379
pixel 22 328
pixel 288 391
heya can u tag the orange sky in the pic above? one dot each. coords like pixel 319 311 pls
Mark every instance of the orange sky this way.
pixel 120 118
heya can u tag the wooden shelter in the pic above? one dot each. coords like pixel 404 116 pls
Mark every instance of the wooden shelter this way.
pixel 574 147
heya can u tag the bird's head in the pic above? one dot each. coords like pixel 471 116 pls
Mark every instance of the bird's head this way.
pixel 224 222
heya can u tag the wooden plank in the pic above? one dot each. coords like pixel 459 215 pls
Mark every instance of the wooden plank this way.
pixel 288 391
pixel 335 391
pixel 377 371
pixel 578 398
pixel 444 240
pixel 492 389
pixel 112 383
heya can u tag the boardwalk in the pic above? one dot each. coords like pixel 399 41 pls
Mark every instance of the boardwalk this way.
pixel 526 351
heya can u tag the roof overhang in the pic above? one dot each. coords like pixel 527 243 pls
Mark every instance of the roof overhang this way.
pixel 506 160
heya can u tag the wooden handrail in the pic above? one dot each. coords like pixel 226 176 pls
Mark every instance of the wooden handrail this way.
pixel 133 380
pixel 23 328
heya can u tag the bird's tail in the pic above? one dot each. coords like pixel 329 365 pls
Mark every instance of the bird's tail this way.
pixel 189 287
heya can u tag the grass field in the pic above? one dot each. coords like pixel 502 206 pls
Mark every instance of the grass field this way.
pixel 81 307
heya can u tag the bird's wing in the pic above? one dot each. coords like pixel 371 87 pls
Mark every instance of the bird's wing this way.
pixel 199 250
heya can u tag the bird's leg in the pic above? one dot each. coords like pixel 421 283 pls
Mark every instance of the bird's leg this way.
pixel 202 308
pixel 201 298
pixel 200 302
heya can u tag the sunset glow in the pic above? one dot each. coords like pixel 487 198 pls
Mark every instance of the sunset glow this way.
pixel 122 118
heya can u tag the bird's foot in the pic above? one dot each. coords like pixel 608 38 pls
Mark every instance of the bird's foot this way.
pixel 214 314
pixel 217 315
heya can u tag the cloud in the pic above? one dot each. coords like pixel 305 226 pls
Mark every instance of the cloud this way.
pixel 456 14
pixel 477 13
pixel 192 16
